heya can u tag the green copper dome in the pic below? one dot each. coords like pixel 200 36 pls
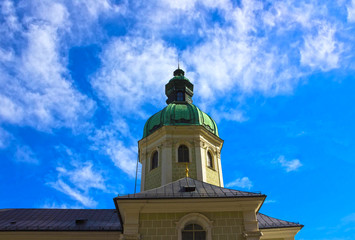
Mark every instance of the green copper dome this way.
pixel 180 110
pixel 177 114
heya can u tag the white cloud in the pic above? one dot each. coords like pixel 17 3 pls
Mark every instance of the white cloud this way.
pixel 5 138
pixel 78 182
pixel 321 50
pixel 349 218
pixel 233 60
pixel 248 51
pixel 231 115
pixel 83 176
pixel 51 204
pixel 241 183
pixel 289 165
pixel 107 140
pixel 233 57
pixel 287 15
pixel 74 193
pixel 10 111
pixel 11 21
pixel 25 154
pixel 95 8
pixel 134 72
pixel 181 5
pixel 37 87
pixel 244 64
pixel 123 157
pixel 351 11
pixel 54 13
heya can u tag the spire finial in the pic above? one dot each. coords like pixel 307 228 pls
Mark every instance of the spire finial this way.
pixel 178 71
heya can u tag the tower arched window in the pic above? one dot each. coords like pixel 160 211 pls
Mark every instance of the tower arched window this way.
pixel 209 160
pixel 154 160
pixel 183 154
pixel 179 96
pixel 193 232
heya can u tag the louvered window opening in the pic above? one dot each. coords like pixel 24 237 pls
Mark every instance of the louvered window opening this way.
pixel 209 160
pixel 154 160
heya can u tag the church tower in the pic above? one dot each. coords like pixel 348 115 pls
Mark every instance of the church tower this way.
pixel 178 137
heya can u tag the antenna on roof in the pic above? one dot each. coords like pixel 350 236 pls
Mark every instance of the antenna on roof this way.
pixel 135 183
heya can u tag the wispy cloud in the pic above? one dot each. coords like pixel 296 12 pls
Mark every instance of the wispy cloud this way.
pixel 248 54
pixel 134 71
pixel 83 176
pixel 78 181
pixel 51 204
pixel 25 154
pixel 349 218
pixel 75 194
pixel 351 11
pixel 243 182
pixel 5 138
pixel 106 140
pixel 288 165
pixel 36 85
pixel 321 50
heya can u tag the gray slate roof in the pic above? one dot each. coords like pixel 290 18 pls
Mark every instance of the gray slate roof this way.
pixel 269 222
pixel 97 220
pixel 59 220
pixel 177 189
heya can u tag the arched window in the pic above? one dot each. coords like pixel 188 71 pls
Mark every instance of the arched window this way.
pixel 195 224
pixel 154 161
pixel 193 232
pixel 209 160
pixel 183 153
pixel 179 96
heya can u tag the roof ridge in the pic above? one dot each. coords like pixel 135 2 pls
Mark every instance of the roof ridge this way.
pixel 208 190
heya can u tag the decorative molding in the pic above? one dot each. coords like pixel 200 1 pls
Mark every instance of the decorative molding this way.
pixel 130 237
pixel 252 235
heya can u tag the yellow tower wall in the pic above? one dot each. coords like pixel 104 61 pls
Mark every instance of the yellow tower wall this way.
pixel 166 141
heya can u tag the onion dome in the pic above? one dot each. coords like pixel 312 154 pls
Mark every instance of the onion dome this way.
pixel 180 110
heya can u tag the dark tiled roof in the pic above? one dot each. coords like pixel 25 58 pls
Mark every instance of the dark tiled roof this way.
pixel 59 220
pixel 198 189
pixel 269 222
pixel 96 220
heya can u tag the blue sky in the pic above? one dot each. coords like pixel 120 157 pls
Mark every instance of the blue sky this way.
pixel 78 80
